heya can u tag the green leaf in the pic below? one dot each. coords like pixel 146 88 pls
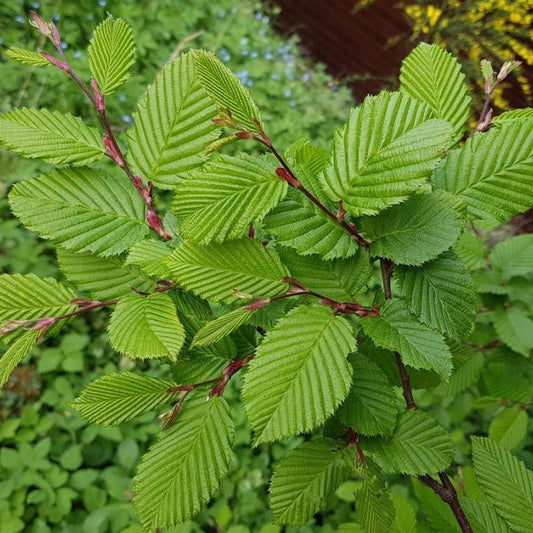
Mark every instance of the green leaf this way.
pixel 371 407
pixel 58 139
pixel 433 76
pixel 26 57
pixel 222 326
pixel 375 510
pixel 509 428
pixel 150 256
pixel 304 479
pixel 340 279
pixel 463 377
pixel 311 344
pixel 116 398
pixel 491 173
pixel 471 249
pixel 26 296
pixel 111 54
pixel 226 90
pixel 20 348
pixel 513 257
pixel 483 517
pixel 214 271
pixel 404 515
pixel 105 278
pixel 418 446
pixel 146 327
pixel 513 114
pixel 397 329
pixel 441 294
pixel 172 125
pixel 515 328
pixel 221 200
pixel 506 482
pixel 183 469
pixel 81 210
pixel 414 232
pixel 439 515
pixel 387 149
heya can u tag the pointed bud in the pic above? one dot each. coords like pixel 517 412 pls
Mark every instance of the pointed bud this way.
pixel 251 231
pixel 295 284
pixel 10 326
pixel 242 295
pixel 40 24
pixel 65 67
pixel 258 305
pixel 341 212
pixel 244 135
pixel 112 151
pixel 98 96
pixel 507 68
pixel 43 324
pixel 55 37
pixel 286 176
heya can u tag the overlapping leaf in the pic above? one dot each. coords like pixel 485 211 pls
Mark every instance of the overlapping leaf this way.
pixel 513 114
pixel 150 256
pixel 513 257
pixel 20 348
pixel 222 326
pixel 173 125
pixel 509 427
pixel 82 210
pixel 515 328
pixel 26 57
pixel 375 510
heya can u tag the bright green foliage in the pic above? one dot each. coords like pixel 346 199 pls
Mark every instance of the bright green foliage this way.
pixel 113 399
pixel 374 165
pixel 441 294
pixel 16 353
pixel 146 327
pixel 414 232
pixel 304 479
pixel 104 213
pixel 515 328
pixel 437 513
pixel 418 446
pixel 404 515
pixel 104 278
pixel 111 54
pixel 375 510
pixel 483 517
pixel 215 271
pixel 26 57
pixel 371 407
pixel 222 326
pixel 54 137
pixel 397 329
pixel 222 200
pixel 340 279
pixel 173 125
pixel 226 90
pixel 506 482
pixel 433 76
pixel 311 346
pixel 513 114
pixel 150 256
pixel 509 427
pixel 463 377
pixel 513 257
pixel 491 173
pixel 183 469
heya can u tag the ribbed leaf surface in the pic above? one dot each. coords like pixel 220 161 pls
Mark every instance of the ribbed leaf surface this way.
pixel 173 125
pixel 81 210
pixel 340 279
pixel 418 446
pixel 221 200
pixel 483 517
pixel 146 327
pixel 304 479
pixel 26 57
pixel 515 328
pixel 506 482
pixel 441 294
pixel 104 278
pixel 375 510
pixel 216 270
pixel 492 173
pixel 20 348
pixel 513 114
pixel 116 398
pixel 509 427
pixel 311 345
pixel 371 407
pixel 56 138
pixel 513 257
pixel 184 468
pixel 433 76
pixel 463 377
pixel 150 256
pixel 398 330
pixel 226 90
pixel 414 232
pixel 387 149
pixel 222 326
pixel 404 515
pixel 111 54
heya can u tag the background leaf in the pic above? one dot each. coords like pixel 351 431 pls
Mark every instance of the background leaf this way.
pixel 509 427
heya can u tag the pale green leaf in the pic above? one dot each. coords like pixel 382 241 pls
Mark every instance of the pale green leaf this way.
pixel 20 348
pixel 214 271
pixel 82 210
pixel 58 139
pixel 116 398
pixel 463 377
pixel 26 57
pixel 221 200
pixel 509 427
pixel 418 446
pixel 311 345
pixel 184 468
pixel 515 328
pixel 222 326
pixel 150 256
pixel 146 327
pixel 375 510
pixel 506 482
pixel 491 173
pixel 172 125
pixel 304 479
pixel 387 149
pixel 414 232
pixel 441 294
pixel 513 257
pixel 433 76
pixel 398 330
pixel 226 90
pixel 111 54
pixel 471 249
pixel 513 114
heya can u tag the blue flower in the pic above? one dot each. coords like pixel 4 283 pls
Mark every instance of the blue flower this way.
pixel 1 41
pixel 292 103
pixel 243 75
pixel 127 119
pixel 20 19
pixel 287 93
pixel 64 46
pixel 268 56
pixel 254 54
pixel 56 17
pixel 258 16
pixel 306 76
pixel 245 52
pixel 244 41
pixel 90 16
pixel 77 54
pixel 274 76
pixel 36 5
pixel 122 97
pixel 102 3
pixel 221 14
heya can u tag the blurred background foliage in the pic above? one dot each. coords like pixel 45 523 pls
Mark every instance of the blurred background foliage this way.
pixel 59 474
